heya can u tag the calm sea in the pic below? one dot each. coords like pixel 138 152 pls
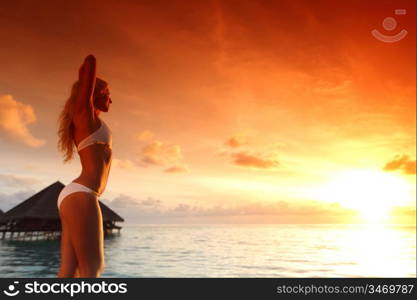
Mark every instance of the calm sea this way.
pixel 234 251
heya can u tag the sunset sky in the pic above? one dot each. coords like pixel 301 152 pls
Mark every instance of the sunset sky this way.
pixel 223 111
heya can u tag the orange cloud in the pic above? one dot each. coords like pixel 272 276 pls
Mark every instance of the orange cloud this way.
pixel 158 153
pixel 402 163
pixel 235 141
pixel 123 163
pixel 14 118
pixel 176 169
pixel 145 135
pixel 248 160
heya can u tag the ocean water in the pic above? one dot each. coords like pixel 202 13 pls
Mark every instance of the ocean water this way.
pixel 275 250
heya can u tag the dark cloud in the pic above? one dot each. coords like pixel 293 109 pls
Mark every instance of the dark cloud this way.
pixel 292 212
pixel 128 201
pixel 124 201
pixel 11 180
pixel 151 202
pixel 7 201
pixel 305 209
pixel 181 208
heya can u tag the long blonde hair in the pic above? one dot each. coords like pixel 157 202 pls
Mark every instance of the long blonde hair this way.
pixel 65 125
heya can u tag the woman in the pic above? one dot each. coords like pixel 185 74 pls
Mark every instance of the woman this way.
pixel 82 252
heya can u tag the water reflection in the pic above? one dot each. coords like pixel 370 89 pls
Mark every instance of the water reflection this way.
pixel 234 251
pixel 29 258
pixel 380 251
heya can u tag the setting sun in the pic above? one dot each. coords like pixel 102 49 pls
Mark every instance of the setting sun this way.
pixel 373 193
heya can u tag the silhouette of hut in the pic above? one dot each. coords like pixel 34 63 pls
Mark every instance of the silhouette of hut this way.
pixel 1 216
pixel 38 216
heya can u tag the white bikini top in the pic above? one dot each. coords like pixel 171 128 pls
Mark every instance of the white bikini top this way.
pixel 100 136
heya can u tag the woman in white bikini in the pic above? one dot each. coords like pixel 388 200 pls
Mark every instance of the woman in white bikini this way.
pixel 82 252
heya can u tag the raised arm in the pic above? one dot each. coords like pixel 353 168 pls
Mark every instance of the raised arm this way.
pixel 87 81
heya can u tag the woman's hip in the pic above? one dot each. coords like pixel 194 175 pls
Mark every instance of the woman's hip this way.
pixel 76 190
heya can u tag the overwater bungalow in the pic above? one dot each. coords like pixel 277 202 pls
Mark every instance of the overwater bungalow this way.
pixel 38 218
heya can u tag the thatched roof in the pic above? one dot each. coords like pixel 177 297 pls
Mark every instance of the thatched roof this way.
pixel 43 205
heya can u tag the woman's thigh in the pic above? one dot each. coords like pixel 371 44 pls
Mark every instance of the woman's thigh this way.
pixel 82 216
pixel 68 265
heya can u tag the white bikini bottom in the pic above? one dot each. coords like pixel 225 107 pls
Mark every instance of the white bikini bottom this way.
pixel 74 187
